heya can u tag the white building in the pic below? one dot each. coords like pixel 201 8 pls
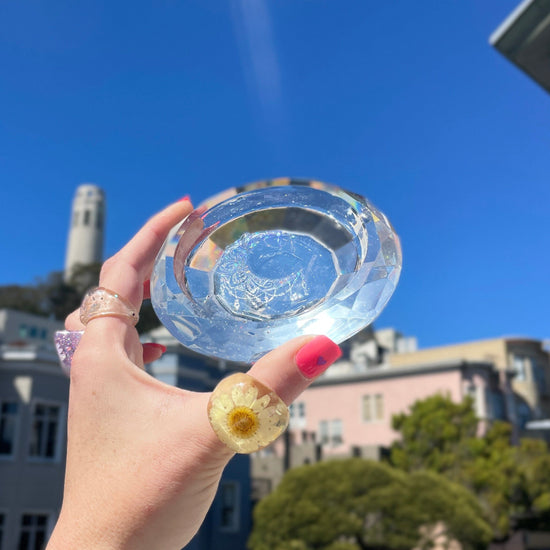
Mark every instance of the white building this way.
pixel 33 409
pixel 18 328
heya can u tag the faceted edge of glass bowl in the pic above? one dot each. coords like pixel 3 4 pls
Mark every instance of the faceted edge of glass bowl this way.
pixel 268 333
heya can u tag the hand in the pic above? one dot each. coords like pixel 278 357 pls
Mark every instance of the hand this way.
pixel 143 463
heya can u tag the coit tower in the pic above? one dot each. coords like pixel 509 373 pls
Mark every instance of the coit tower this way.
pixel 85 244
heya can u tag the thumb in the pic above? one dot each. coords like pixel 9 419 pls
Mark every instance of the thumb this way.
pixel 289 369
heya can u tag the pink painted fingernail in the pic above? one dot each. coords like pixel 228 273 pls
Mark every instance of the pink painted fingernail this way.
pixel 186 198
pixel 316 356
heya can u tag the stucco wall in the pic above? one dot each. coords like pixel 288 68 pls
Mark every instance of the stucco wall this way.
pixel 345 401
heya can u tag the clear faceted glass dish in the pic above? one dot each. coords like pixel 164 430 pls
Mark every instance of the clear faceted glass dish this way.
pixel 260 264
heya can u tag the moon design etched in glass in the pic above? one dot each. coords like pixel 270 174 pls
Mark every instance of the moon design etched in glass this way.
pixel 260 264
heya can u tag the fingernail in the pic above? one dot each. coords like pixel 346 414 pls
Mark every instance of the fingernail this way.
pixel 156 345
pixel 186 198
pixel 316 356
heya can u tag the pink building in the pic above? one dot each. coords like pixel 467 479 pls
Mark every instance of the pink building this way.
pixel 349 411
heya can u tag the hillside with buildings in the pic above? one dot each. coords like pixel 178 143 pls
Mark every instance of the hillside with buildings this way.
pixel 347 412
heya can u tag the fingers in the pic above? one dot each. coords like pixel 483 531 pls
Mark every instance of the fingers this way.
pixel 127 271
pixel 127 274
pixel 72 322
pixel 288 371
pixel 292 367
pixel 152 351
pixel 147 289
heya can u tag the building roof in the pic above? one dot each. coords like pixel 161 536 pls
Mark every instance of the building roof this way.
pixel 387 371
pixel 524 39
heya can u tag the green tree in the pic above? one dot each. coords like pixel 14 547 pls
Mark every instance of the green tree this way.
pixel 52 296
pixel 55 297
pixel 22 298
pixel 511 482
pixel 435 435
pixel 356 504
pixel 60 297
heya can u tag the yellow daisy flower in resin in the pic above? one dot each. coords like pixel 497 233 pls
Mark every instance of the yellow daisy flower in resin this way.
pixel 245 414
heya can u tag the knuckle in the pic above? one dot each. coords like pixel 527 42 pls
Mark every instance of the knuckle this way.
pixel 108 266
pixel 71 319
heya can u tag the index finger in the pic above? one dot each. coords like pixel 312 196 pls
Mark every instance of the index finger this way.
pixel 127 271
pixel 289 369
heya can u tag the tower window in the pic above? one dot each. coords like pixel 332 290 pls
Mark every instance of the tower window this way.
pixel 75 219
pixel 86 217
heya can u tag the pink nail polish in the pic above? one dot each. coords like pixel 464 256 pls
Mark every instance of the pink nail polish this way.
pixel 316 356
pixel 186 198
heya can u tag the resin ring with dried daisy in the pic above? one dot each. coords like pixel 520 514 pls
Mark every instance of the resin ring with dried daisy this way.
pixel 246 415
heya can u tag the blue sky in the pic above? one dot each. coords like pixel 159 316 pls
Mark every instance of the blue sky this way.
pixel 404 102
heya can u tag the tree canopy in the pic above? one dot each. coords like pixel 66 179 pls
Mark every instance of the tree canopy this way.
pixel 355 504
pixel 444 482
pixel 435 435
pixel 511 482
pixel 55 297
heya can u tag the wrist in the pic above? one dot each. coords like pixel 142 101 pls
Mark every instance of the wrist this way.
pixel 75 535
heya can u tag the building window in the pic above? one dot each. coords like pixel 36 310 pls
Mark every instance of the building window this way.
pixel 497 404
pixel 99 219
pixel 87 215
pixel 23 331
pixel 480 399
pixel 367 408
pixel 45 431
pixel 523 412
pixel 33 532
pixel 75 219
pixel 373 408
pixel 336 433
pixel 297 410
pixel 330 432
pixel 323 432
pixel 8 425
pixel 379 406
pixel 539 376
pixel 229 500
pixel 520 365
